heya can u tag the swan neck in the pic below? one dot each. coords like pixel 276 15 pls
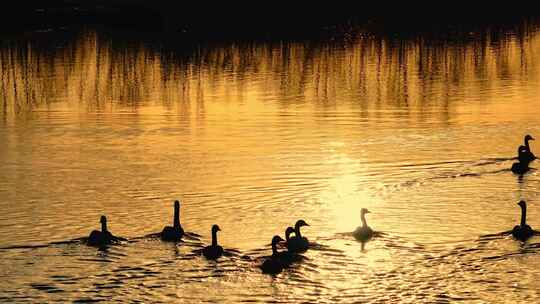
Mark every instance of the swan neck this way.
pixel 274 249
pixel 523 216
pixel 363 218
pixel 214 238
pixel 527 145
pixel 103 226
pixel 297 231
pixel 176 219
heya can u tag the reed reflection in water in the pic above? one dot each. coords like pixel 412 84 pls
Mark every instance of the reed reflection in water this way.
pixel 253 136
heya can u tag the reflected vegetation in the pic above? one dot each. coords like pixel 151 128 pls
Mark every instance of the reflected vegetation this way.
pixel 94 73
pixel 253 136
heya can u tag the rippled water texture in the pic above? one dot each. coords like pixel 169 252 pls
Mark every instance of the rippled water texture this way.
pixel 253 136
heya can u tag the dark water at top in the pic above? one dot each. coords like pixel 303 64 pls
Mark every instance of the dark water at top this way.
pixel 254 136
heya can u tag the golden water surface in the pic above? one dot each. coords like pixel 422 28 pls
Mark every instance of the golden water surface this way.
pixel 253 136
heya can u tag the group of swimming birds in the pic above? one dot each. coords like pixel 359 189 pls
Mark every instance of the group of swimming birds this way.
pixel 525 157
pixel 274 264
pixel 298 244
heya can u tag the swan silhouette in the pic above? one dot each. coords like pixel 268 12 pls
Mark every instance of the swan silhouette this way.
pixel 522 166
pixel 213 251
pixel 528 155
pixel 174 233
pixel 103 237
pixel 522 231
pixel 298 243
pixel 364 232
pixel 288 233
pixel 287 257
pixel 273 264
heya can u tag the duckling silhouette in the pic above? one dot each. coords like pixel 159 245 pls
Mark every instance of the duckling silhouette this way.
pixel 273 264
pixel 364 232
pixel 174 233
pixel 522 231
pixel 103 237
pixel 213 251
pixel 522 166
pixel 528 155
pixel 298 243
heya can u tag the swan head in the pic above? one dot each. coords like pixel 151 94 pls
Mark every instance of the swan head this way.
pixel 176 204
pixel 301 223
pixel 528 137
pixel 364 211
pixel 215 228
pixel 522 204
pixel 288 232
pixel 277 239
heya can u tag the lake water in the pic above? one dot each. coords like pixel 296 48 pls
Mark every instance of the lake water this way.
pixel 253 136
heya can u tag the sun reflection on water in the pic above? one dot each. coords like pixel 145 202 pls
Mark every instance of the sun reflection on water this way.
pixel 254 136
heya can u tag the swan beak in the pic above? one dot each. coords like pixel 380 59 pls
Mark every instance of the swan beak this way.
pixel 367 211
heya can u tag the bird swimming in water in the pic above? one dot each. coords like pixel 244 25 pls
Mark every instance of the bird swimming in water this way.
pixel 364 232
pixel 522 231
pixel 287 257
pixel 103 237
pixel 288 233
pixel 522 166
pixel 174 233
pixel 298 243
pixel 213 251
pixel 273 264
pixel 528 155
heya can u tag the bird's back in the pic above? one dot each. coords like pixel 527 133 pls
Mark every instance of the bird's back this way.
pixel 296 244
pixel 522 232
pixel 272 265
pixel 363 233
pixel 519 168
pixel 171 234
pixel 96 238
pixel 288 257
pixel 212 252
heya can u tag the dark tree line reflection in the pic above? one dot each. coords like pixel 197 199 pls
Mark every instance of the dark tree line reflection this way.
pixel 98 73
